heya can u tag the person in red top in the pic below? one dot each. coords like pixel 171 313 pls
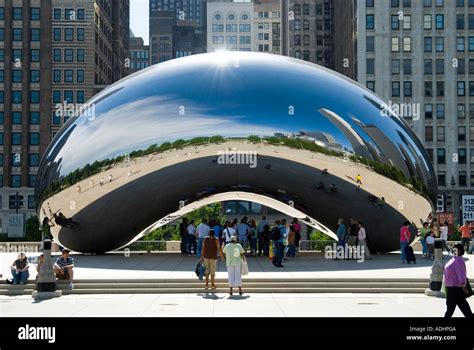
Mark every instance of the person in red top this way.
pixel 404 239
pixel 466 235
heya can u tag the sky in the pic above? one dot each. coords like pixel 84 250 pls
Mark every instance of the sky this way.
pixel 139 18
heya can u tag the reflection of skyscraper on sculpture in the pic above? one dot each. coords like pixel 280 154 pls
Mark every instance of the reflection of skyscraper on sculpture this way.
pixel 358 145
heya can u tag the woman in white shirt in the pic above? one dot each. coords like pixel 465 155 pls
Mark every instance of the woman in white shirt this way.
pixel 444 236
pixel 362 237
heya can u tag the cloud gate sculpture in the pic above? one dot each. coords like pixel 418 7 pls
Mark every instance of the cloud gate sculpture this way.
pixel 217 126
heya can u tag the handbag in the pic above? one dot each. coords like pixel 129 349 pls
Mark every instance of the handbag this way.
pixel 468 289
pixel 244 267
pixel 200 270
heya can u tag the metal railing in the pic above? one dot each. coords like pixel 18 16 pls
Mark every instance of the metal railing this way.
pixel 20 247
pixel 148 246
pixel 314 246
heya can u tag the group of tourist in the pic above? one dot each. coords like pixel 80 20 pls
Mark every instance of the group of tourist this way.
pixel 355 235
pixel 63 268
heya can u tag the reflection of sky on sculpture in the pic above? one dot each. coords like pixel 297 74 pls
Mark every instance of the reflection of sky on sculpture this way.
pixel 251 98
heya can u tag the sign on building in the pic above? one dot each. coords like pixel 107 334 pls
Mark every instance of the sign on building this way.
pixel 449 217
pixel 467 208
pixel 16 225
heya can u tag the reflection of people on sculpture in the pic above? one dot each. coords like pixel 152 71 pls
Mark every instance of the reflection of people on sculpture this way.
pixel 46 229
pixel 63 221
pixel 333 188
pixel 324 171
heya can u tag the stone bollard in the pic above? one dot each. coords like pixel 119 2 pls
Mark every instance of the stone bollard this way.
pixel 436 276
pixel 46 281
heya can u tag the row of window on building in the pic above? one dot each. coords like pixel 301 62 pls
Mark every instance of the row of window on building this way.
pixel 17 202
pixel 17 13
pixel 231 39
pixel 16 181
pixel 426 3
pixel 17 138
pixel 305 9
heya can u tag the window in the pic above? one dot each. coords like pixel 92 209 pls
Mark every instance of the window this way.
pixel 57 14
pixel 35 34
pixel 407 89
pixel 407 66
pixel 395 3
pixel 439 21
pixel 69 96
pixel 460 44
pixel 297 24
pixel 2 13
pixel 395 89
pixel 80 75
pixel 35 76
pixel 17 76
pixel 2 55
pixel 440 111
pixel 69 34
pixel 428 133
pixel 80 34
pixel 81 14
pixel 16 159
pixel 471 88
pixel 69 14
pixel 441 156
pixel 1 138
pixel 17 34
pixel 428 67
pixel 407 44
pixel 33 159
pixel 407 22
pixel 57 55
pixel 395 66
pixel 462 156
pixel 460 21
pixel 17 55
pixel 427 22
pixel 471 43
pixel 35 55
pixel 461 133
pixel 2 75
pixel 34 118
pixel 15 181
pixel 371 85
pixel 2 118
pixel 17 97
pixel 461 88
pixel 439 44
pixel 34 138
pixel 369 21
pixel 462 178
pixel 17 14
pixel 56 96
pixel 35 13
pixel 80 55
pixel 395 44
pixel 80 96
pixel 31 202
pixel 440 66
pixel 2 34
pixel 462 111
pixel 56 34
pixel 428 44
pixel 306 25
pixel 2 97
pixel 440 88
pixel 395 22
pixel 16 118
pixel 68 75
pixel 34 97
pixel 16 138
pixel 68 55
pixel 57 75
pixel 370 44
pixel 370 66
pixel 441 178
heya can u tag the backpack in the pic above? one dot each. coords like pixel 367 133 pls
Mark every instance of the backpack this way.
pixel 276 234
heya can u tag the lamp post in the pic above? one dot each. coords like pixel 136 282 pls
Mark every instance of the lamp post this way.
pixel 46 282
pixel 436 276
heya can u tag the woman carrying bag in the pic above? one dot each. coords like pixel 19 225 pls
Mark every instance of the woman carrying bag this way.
pixel 234 254
pixel 457 285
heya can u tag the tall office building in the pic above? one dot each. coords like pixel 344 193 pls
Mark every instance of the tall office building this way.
pixel 25 82
pixel 309 30
pixel 139 54
pixel 419 57
pixel 267 26
pixel 177 29
pixel 230 26
pixel 89 52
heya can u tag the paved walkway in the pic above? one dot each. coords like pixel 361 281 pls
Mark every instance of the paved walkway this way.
pixel 175 265
pixel 222 305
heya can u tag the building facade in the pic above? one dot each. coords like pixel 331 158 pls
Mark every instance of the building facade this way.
pixel 25 81
pixel 139 54
pixel 230 27
pixel 419 57
pixel 267 26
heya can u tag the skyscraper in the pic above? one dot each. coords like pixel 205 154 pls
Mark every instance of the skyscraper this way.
pixel 25 82
pixel 139 54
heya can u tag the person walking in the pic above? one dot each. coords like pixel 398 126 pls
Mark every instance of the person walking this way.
pixel 341 233
pixel 466 235
pixel 404 239
pixel 191 229
pixel 455 282
pixel 234 253
pixel 260 232
pixel 183 232
pixel 297 228
pixel 444 236
pixel 202 232
pixel 424 232
pixel 362 241
pixel 210 249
